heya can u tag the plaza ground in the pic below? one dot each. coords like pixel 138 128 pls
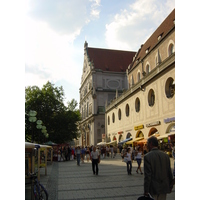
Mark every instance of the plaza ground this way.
pixel 66 180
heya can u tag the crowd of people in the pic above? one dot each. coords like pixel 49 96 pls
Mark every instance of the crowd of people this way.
pixel 158 176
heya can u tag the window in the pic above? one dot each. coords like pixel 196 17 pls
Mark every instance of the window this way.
pixel 127 110
pixel 171 49
pixel 170 87
pixel 113 118
pixel 147 69
pixel 108 120
pixel 101 109
pixel 119 114
pixel 90 109
pixel 132 81
pixel 151 98
pixel 137 104
pixel 138 76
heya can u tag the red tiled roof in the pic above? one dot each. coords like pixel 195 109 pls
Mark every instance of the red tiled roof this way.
pixel 110 60
pixel 162 30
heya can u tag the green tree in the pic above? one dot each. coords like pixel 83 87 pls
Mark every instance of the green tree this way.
pixel 60 121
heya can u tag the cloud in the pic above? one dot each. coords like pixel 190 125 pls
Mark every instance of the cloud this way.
pixel 65 17
pixel 132 27
pixel 95 8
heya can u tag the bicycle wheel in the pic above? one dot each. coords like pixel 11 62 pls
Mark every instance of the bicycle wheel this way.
pixel 36 192
pixel 43 193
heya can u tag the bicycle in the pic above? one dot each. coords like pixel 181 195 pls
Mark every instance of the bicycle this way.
pixel 39 191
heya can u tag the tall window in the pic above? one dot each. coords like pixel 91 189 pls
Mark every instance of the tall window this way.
pixel 151 98
pixel 171 49
pixel 137 104
pixel 108 120
pixel 113 117
pixel 127 110
pixel 119 114
pixel 170 87
pixel 138 76
pixel 147 69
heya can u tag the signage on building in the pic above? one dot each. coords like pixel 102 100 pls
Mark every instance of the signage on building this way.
pixel 168 120
pixel 120 132
pixel 103 136
pixel 153 124
pixel 139 127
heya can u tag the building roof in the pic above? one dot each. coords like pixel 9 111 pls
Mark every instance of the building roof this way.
pixel 161 31
pixel 110 60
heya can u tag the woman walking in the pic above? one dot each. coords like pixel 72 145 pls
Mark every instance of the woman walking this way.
pixel 139 159
pixel 129 161
pixel 78 155
pixel 95 160
pixel 88 154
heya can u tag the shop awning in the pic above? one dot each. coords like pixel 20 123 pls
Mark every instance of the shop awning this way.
pixel 101 143
pixel 113 142
pixel 126 140
pixel 134 140
pixel 165 135
pixel 142 141
pixel 31 145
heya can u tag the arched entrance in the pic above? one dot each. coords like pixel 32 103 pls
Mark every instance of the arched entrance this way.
pixel 139 134
pixel 114 138
pixel 152 131
pixel 128 135
pixel 121 138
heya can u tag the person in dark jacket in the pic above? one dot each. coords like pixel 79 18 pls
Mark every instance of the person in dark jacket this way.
pixel 158 179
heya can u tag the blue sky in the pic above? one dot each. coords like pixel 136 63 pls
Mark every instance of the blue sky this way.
pixel 55 32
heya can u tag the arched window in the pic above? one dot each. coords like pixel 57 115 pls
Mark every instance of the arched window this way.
pixel 119 114
pixel 147 69
pixel 138 76
pixel 170 87
pixel 171 49
pixel 137 104
pixel 113 117
pixel 132 80
pixel 108 120
pixel 151 98
pixel 127 110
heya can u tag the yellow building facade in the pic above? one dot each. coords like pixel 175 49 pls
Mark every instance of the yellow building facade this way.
pixel 147 107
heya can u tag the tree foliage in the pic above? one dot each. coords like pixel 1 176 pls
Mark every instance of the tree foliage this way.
pixel 60 121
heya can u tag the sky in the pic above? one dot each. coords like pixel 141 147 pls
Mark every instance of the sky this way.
pixel 55 32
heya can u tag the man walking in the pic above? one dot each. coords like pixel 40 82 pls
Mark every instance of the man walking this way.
pixel 157 171
pixel 95 159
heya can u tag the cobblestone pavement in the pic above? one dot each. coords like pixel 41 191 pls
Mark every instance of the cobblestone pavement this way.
pixel 67 180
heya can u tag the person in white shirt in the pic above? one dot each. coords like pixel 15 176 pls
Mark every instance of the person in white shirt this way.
pixel 95 159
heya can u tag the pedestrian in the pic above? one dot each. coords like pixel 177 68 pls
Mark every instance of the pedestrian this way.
pixel 139 159
pixel 145 148
pixel 115 151
pixel 128 155
pixel 72 153
pixel 82 154
pixel 78 155
pixel 69 152
pixel 104 152
pixel 107 151
pixel 88 154
pixel 95 159
pixel 158 179
pixel 111 151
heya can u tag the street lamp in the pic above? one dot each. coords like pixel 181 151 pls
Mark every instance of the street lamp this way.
pixel 32 118
pixel 39 126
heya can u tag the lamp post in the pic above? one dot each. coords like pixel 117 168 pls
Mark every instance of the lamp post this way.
pixel 32 118
pixel 39 126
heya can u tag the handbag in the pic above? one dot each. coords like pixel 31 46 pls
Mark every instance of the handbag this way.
pixel 145 197
pixel 125 159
